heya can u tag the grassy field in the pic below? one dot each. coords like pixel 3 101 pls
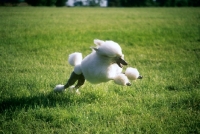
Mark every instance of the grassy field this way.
pixel 163 43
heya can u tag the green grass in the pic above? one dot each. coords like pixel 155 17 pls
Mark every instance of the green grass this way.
pixel 163 43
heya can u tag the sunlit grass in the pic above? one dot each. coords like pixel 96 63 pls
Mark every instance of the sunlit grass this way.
pixel 163 43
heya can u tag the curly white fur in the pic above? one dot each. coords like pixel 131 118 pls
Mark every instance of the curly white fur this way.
pixel 100 66
pixel 103 64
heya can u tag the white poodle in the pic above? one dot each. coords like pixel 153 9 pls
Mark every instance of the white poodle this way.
pixel 103 64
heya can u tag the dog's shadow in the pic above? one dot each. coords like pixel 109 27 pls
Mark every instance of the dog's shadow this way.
pixel 51 99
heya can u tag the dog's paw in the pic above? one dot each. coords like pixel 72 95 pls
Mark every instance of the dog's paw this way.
pixel 59 88
pixel 132 73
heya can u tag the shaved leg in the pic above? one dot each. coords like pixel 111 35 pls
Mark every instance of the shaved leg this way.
pixel 73 78
pixel 81 81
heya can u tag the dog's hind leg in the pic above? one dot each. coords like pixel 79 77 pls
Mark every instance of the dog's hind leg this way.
pixel 81 81
pixel 73 78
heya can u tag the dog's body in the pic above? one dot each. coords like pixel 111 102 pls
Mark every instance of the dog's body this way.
pixel 97 68
pixel 102 65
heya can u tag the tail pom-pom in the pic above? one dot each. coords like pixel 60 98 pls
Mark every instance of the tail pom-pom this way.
pixel 75 59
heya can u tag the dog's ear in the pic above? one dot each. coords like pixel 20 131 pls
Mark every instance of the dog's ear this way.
pixel 94 48
pixel 98 42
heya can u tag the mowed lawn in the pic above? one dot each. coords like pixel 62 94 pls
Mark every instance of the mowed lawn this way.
pixel 162 43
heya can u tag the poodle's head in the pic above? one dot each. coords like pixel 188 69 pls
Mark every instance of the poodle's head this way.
pixel 111 50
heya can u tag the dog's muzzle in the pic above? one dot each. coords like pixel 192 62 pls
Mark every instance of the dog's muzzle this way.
pixel 120 62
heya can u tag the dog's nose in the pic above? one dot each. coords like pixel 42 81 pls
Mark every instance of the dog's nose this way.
pixel 121 62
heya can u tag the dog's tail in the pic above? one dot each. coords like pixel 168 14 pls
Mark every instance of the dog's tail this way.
pixel 75 59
